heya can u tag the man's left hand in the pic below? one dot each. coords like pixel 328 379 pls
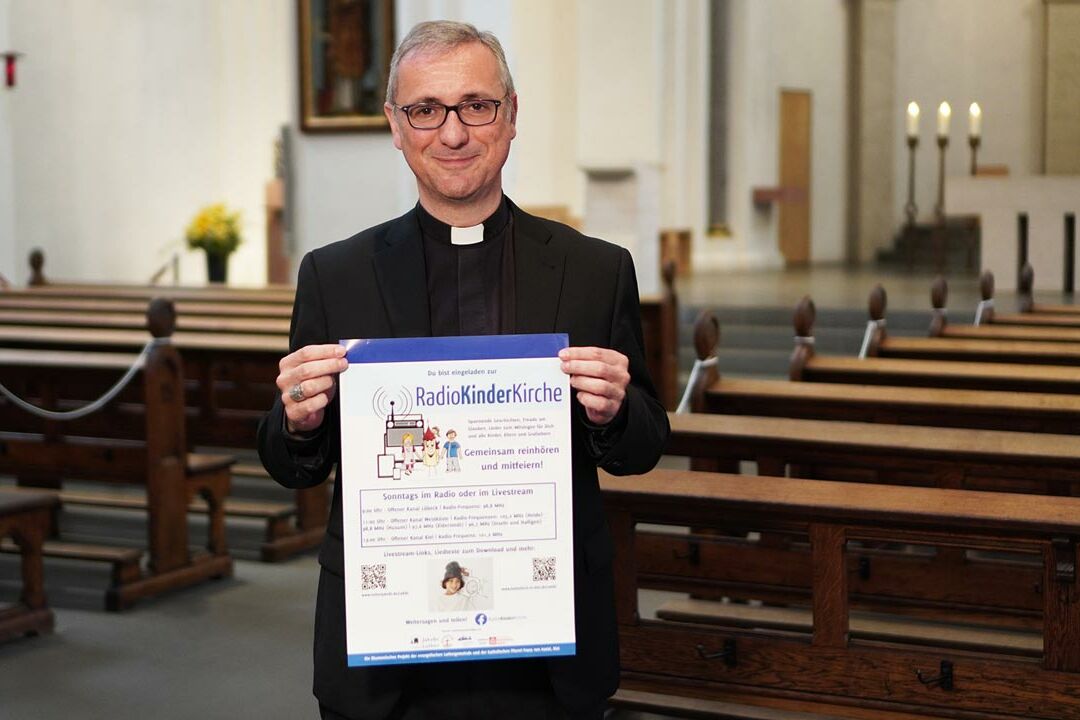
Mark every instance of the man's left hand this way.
pixel 600 376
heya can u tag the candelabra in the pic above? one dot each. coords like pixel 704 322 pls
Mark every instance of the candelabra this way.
pixel 973 141
pixel 910 209
pixel 939 209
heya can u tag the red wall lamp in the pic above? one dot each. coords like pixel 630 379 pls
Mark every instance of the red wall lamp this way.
pixel 10 58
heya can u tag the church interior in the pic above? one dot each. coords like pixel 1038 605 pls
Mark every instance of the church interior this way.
pixel 853 224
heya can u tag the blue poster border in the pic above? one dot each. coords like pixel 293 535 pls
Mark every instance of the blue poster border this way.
pixel 467 347
pixel 493 652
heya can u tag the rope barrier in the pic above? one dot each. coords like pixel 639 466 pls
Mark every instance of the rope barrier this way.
pixel 871 326
pixel 983 306
pixel 93 406
pixel 699 365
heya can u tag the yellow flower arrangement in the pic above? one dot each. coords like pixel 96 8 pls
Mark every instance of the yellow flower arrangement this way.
pixel 215 230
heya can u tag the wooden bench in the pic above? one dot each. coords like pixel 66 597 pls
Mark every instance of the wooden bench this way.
pixel 1000 410
pixel 29 300
pixel 832 662
pixel 134 321
pixel 230 385
pixel 806 365
pixel 275 296
pixel 25 518
pixel 986 328
pixel 45 452
pixel 927 585
pixel 962 349
pixel 1048 317
pixel 659 313
pixel 43 287
pixel 668 704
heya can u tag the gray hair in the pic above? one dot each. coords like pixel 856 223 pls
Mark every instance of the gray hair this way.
pixel 443 35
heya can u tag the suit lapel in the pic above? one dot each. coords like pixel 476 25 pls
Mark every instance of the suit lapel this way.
pixel 538 274
pixel 401 273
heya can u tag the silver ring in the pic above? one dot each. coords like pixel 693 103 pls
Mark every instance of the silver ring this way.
pixel 296 392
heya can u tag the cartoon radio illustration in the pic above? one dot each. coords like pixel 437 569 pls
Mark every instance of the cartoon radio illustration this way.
pixel 403 436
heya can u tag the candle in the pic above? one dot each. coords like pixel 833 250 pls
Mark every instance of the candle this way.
pixel 974 120
pixel 912 119
pixel 943 113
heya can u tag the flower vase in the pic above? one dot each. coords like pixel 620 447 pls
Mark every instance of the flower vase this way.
pixel 216 267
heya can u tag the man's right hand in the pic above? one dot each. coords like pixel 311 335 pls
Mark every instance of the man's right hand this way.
pixel 307 381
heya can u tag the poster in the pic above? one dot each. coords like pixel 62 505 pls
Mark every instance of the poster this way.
pixel 456 495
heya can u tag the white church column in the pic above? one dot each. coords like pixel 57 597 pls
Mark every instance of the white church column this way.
pixel 619 127
pixel 873 88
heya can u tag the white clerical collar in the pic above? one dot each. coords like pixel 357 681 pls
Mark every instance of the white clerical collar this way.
pixel 467 235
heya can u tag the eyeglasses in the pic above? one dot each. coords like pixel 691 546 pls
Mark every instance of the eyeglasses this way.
pixel 431 116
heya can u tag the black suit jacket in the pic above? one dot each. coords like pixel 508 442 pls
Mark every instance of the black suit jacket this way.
pixel 373 285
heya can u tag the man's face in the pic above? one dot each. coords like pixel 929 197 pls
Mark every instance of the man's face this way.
pixel 455 163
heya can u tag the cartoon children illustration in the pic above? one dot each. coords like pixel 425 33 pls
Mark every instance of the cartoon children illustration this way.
pixel 408 452
pixel 429 455
pixel 452 452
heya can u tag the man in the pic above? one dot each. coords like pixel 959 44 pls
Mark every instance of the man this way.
pixel 466 261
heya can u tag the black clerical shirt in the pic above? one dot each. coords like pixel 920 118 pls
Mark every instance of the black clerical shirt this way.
pixel 470 287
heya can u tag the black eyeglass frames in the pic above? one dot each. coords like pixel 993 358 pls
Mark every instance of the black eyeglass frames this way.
pixel 431 116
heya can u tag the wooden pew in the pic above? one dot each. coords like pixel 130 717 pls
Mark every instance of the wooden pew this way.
pixel 1049 317
pixel 805 365
pixel 998 410
pixel 874 453
pixel 156 457
pixel 930 586
pixel 44 287
pixel 274 296
pixel 23 300
pixel 231 384
pixel 1028 352
pixel 986 328
pixel 25 518
pixel 659 313
pixel 134 321
pixel 828 657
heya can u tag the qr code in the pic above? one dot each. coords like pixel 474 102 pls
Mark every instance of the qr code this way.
pixel 373 577
pixel 543 569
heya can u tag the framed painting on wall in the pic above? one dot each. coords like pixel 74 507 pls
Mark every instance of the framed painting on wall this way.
pixel 345 48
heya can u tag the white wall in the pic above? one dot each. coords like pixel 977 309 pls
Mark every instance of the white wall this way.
pixel 778 45
pixel 345 183
pixel 131 117
pixel 964 51
pixel 8 265
pixel 545 50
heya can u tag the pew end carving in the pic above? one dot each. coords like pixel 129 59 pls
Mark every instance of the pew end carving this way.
pixel 876 332
pixel 939 298
pixel 706 344
pixel 805 315
pixel 37 265
pixel 1025 289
